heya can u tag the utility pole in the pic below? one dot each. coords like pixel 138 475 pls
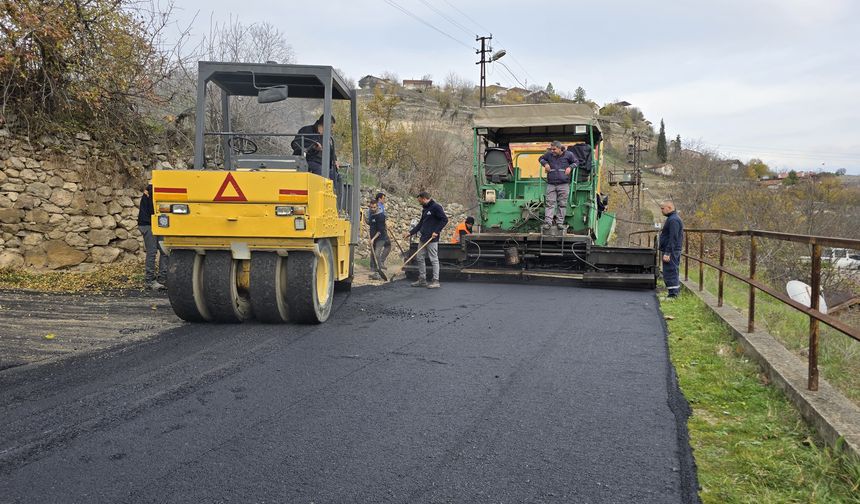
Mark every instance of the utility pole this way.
pixel 634 157
pixel 483 51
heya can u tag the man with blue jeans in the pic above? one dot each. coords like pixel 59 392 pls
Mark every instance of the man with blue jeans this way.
pixel 558 164
pixel 433 220
pixel 150 243
pixel 671 237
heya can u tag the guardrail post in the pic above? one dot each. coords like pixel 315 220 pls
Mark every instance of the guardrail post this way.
pixel 722 275
pixel 753 254
pixel 701 264
pixel 686 256
pixel 815 283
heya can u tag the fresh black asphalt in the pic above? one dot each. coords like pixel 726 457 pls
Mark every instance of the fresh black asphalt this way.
pixel 470 393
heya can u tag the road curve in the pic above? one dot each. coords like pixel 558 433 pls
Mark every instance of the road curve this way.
pixel 469 393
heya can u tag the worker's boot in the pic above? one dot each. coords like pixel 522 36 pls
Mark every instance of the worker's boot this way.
pixel 546 229
pixel 156 285
pixel 560 228
pixel 422 282
pixel 434 284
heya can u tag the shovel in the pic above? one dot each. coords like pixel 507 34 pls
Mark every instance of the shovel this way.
pixel 397 242
pixel 375 260
pixel 410 258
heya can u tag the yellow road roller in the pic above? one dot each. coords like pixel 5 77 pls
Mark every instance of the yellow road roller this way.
pixel 269 232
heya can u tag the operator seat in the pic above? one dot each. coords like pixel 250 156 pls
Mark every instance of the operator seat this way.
pixel 497 165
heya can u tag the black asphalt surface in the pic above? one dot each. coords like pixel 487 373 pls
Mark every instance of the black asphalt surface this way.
pixel 470 393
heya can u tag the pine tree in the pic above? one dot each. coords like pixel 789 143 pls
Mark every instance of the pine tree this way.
pixel 662 153
pixel 677 145
pixel 579 95
pixel 549 89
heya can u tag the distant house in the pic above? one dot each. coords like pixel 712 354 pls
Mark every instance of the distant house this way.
pixel 800 174
pixel 734 164
pixel 495 92
pixel 665 169
pixel 418 85
pixel 538 97
pixel 372 82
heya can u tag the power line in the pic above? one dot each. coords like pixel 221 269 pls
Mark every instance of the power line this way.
pixel 426 23
pixel 446 17
pixel 482 27
pixel 512 74
pixel 515 60
pixel 467 17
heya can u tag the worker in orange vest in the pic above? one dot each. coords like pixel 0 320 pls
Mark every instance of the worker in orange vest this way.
pixel 463 229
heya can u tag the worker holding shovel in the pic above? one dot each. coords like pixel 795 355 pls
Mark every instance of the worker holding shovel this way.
pixel 380 245
pixel 433 220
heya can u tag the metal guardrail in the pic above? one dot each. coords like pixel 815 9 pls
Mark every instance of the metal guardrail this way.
pixel 816 243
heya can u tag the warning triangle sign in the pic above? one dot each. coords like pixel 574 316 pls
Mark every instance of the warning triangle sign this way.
pixel 230 181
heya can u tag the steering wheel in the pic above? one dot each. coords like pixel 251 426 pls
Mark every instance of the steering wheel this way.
pixel 242 145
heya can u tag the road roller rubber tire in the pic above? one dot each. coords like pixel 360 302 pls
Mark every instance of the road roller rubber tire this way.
pixel 311 290
pixel 268 287
pixel 185 287
pixel 220 288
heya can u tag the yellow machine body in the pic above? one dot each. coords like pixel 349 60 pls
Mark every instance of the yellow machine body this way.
pixel 244 211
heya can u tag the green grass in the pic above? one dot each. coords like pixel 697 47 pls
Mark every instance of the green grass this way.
pixel 750 444
pixel 838 354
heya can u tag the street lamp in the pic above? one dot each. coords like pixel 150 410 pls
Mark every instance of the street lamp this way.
pixel 483 62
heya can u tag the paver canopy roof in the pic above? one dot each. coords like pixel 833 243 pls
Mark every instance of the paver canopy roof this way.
pixel 542 114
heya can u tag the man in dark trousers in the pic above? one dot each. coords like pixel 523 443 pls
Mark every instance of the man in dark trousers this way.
pixel 308 141
pixel 150 243
pixel 558 164
pixel 379 236
pixel 433 220
pixel 671 238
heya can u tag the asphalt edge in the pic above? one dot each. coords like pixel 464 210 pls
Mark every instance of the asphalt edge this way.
pixel 827 411
pixel 682 411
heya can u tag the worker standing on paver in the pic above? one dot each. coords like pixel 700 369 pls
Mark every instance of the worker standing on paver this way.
pixel 381 242
pixel 433 220
pixel 671 238
pixel 558 164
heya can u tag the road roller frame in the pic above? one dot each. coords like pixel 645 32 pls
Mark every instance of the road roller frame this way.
pixel 263 238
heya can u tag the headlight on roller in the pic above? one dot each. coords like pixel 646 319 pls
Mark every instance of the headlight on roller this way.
pixel 285 211
pixel 179 209
pixel 300 223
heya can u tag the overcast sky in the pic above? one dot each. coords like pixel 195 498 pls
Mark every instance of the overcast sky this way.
pixel 776 79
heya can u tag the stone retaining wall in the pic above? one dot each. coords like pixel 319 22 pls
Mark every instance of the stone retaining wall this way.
pixel 69 203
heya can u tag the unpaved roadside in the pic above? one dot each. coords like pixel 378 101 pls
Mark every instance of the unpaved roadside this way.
pixel 39 327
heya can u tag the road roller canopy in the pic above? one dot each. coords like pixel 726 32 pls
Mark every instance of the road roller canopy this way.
pixel 503 124
pixel 247 79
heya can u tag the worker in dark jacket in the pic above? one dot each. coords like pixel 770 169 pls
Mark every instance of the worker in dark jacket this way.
pixel 379 237
pixel 150 243
pixel 558 164
pixel 433 220
pixel 671 237
pixel 308 142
